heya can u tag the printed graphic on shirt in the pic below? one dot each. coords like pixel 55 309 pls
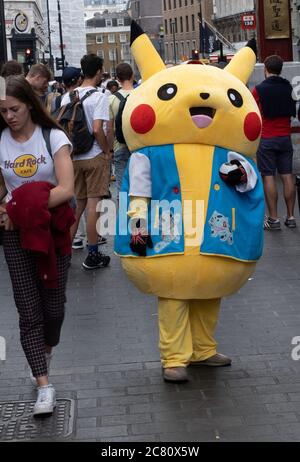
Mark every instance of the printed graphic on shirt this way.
pixel 25 166
pixel 219 225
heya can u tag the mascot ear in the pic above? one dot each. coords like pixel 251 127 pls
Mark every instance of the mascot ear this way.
pixel 242 65
pixel 147 58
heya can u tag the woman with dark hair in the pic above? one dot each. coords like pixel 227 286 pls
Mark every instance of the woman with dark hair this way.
pixel 37 178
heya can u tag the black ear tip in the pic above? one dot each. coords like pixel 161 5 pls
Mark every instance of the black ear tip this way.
pixel 253 45
pixel 136 31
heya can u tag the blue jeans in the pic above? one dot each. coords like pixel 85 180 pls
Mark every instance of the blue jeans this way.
pixel 120 160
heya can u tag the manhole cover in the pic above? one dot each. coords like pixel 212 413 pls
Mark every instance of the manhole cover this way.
pixel 18 424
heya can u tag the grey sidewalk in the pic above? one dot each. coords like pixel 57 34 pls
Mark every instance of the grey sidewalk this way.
pixel 108 360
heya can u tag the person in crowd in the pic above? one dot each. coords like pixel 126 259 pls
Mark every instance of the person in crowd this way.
pixel 104 80
pixel 113 87
pixel 11 67
pixel 275 153
pixel 39 77
pixel 37 182
pixel 125 76
pixel 72 78
pixel 92 169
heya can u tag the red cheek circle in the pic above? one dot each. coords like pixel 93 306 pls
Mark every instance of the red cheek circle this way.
pixel 143 119
pixel 252 126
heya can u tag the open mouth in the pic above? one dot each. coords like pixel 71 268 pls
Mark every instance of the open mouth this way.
pixel 202 116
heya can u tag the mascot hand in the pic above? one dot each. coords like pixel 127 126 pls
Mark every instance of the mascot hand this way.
pixel 140 240
pixel 233 173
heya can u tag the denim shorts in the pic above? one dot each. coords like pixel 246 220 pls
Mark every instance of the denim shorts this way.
pixel 275 155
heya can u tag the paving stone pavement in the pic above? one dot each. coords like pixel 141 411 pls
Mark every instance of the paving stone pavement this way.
pixel 108 359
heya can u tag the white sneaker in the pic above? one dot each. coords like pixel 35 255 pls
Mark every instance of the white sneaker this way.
pixel 46 400
pixel 33 380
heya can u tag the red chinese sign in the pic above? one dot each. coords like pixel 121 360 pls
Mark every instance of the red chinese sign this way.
pixel 248 21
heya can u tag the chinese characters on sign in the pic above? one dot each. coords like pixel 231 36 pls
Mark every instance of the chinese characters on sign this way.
pixel 277 22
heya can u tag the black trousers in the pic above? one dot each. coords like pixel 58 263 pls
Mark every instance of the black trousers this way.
pixel 41 311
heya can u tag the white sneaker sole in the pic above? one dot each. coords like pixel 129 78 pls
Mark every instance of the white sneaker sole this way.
pixel 44 410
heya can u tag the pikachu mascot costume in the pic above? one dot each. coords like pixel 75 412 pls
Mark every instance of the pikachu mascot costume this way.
pixel 191 207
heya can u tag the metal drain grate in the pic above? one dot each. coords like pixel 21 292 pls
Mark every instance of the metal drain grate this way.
pixel 18 424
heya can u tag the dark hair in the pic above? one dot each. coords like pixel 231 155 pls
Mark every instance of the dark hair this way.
pixel 40 69
pixel 90 65
pixel 18 87
pixel 111 84
pixel 11 68
pixel 124 72
pixel 274 64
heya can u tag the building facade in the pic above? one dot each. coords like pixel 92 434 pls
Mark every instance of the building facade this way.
pixel 182 27
pixel 108 36
pixel 25 30
pixel 295 10
pixel 101 6
pixel 73 31
pixel 148 14
pixel 227 18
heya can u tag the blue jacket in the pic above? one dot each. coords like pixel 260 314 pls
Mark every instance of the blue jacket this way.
pixel 233 224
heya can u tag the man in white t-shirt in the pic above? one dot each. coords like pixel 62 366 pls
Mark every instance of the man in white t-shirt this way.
pixel 92 169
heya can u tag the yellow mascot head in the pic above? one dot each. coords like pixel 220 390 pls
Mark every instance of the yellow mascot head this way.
pixel 191 104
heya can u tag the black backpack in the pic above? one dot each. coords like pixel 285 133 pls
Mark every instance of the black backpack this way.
pixel 118 121
pixel 72 119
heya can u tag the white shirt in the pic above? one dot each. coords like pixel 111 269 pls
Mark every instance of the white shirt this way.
pixel 96 107
pixel 30 161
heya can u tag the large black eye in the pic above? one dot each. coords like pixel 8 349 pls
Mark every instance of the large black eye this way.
pixel 235 98
pixel 167 92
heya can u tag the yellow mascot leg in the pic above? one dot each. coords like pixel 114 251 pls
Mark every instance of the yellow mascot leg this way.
pixel 175 341
pixel 203 316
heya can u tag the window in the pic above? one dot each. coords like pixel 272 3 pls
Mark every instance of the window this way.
pixel 194 44
pixel 180 3
pixel 176 28
pixel 187 25
pixel 166 27
pixel 90 40
pixel 181 24
pixel 125 52
pixel 99 39
pixel 167 51
pixel 100 53
pixel 108 22
pixel 123 38
pixel 193 22
pixel 165 6
pixel 112 55
pixel 170 6
pixel 111 38
pixel 188 49
pixel 182 49
pixel 121 22
pixel 172 52
pixel 175 6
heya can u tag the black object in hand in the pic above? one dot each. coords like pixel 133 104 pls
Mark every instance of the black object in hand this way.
pixel 233 173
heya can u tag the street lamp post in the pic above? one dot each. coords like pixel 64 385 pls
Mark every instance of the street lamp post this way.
pixel 173 23
pixel 201 31
pixel 3 46
pixel 49 37
pixel 60 35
